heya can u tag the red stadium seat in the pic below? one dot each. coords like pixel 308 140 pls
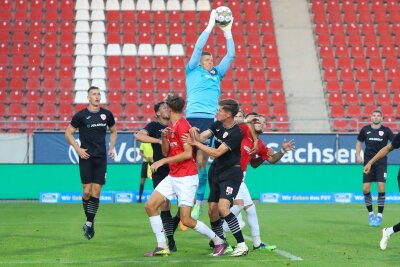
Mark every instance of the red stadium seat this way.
pixel 351 99
pixel 354 111
pixel 367 99
pixel 337 111
pixel 335 99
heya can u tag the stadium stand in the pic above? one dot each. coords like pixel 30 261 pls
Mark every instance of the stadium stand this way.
pixel 358 48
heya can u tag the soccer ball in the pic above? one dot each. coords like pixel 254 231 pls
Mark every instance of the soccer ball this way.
pixel 224 16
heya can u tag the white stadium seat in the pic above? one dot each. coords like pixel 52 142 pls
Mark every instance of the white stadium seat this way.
pixel 127 5
pixel 98 26
pixel 98 15
pixel 82 26
pixel 82 38
pixel 129 50
pixel 81 84
pixel 145 50
pixel 160 50
pixel 82 4
pixel 82 49
pixel 98 61
pixel 188 5
pixel 81 73
pixel 113 50
pixel 203 5
pixel 112 5
pixel 98 50
pixel 98 73
pixel 158 5
pixel 173 5
pixel 143 5
pixel 98 38
pixel 82 61
pixel 82 14
pixel 97 5
pixel 176 50
pixel 101 83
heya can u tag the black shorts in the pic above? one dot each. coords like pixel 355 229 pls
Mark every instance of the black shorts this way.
pixel 225 184
pixel 158 177
pixel 93 170
pixel 377 174
pixel 203 124
pixel 143 172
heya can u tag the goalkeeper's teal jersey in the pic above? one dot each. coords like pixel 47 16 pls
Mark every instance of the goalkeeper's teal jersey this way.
pixel 203 87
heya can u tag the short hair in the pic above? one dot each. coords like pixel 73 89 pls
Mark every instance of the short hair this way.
pixel 377 111
pixel 92 88
pixel 157 106
pixel 176 103
pixel 205 53
pixel 241 111
pixel 252 114
pixel 229 105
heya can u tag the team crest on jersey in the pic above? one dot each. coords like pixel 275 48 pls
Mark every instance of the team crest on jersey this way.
pixel 381 133
pixel 225 135
pixel 229 191
pixel 212 72
pixel 103 116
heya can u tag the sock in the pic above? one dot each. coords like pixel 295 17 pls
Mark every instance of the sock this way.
pixel 85 204
pixel 217 228
pixel 253 225
pixel 201 189
pixel 166 219
pixel 396 228
pixel 176 220
pixel 92 207
pixel 204 230
pixel 234 227
pixel 156 225
pixel 141 191
pixel 236 209
pixel 381 202
pixel 389 230
pixel 368 201
pixel 379 215
pixel 199 202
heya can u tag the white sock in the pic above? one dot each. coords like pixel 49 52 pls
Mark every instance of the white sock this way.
pixel 253 224
pixel 389 231
pixel 371 213
pixel 89 224
pixel 158 230
pixel 204 230
pixel 242 244
pixel 236 209
pixel 199 202
pixel 379 215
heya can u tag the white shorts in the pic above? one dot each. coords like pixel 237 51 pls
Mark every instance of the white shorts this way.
pixel 244 195
pixel 183 187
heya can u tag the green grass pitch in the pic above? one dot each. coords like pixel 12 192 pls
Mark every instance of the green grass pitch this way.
pixel 33 234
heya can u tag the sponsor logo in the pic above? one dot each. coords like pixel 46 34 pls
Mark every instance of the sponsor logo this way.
pixel 124 197
pixel 212 72
pixel 368 132
pixel 381 133
pixel 72 154
pixel 103 117
pixel 270 198
pixel 343 198
pixel 229 191
pixel 225 135
pixel 49 197
pixel 88 117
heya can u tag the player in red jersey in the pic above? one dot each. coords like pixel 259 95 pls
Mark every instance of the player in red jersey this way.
pixel 243 199
pixel 182 180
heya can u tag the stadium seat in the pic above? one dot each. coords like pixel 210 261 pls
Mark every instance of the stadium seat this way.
pixel 32 96
pixel 367 99
pixel 383 99
pixel 337 112
pixel 351 98
pixel 354 111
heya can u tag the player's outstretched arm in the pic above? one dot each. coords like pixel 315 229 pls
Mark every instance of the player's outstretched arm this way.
pixel 382 153
pixel 226 62
pixel 143 136
pixel 286 146
pixel 113 140
pixel 200 43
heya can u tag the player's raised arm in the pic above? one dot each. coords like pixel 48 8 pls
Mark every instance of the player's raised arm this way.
pixel 227 60
pixel 201 41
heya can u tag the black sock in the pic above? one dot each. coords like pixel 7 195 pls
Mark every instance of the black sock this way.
pixel 368 201
pixel 93 205
pixel 176 221
pixel 217 228
pixel 396 228
pixel 234 227
pixel 141 191
pixel 84 204
pixel 167 224
pixel 381 202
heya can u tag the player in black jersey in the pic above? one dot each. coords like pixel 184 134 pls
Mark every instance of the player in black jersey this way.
pixel 375 136
pixel 152 134
pixel 386 232
pixel 92 123
pixel 225 174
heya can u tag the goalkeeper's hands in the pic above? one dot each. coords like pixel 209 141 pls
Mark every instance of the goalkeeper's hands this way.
pixel 211 22
pixel 227 29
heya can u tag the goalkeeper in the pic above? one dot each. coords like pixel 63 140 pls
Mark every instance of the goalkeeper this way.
pixel 203 89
